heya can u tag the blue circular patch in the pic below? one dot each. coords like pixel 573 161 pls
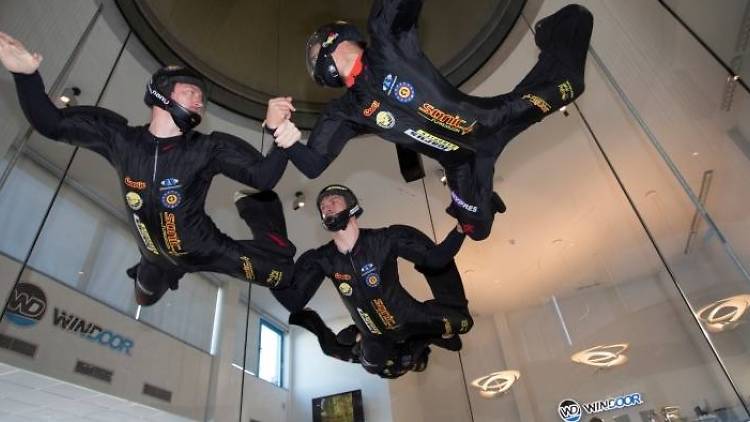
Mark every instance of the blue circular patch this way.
pixel 171 199
pixel 404 92
pixel 372 280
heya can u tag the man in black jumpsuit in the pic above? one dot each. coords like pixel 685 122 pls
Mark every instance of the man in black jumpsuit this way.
pixel 362 265
pixel 395 92
pixel 165 169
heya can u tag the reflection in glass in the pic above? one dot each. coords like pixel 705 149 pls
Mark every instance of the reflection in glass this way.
pixel 602 356
pixel 496 383
pixel 725 314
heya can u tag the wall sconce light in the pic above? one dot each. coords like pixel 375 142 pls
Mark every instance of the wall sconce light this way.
pixel 299 200
pixel 68 96
pixel 602 356
pixel 496 383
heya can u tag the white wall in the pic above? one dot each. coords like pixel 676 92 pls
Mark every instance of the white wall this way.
pixel 316 375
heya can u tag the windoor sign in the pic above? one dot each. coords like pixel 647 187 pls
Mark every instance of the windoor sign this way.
pixel 570 410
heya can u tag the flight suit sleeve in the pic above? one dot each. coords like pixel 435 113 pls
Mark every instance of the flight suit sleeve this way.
pixel 240 161
pixel 393 17
pixel 308 276
pixel 325 143
pixel 89 127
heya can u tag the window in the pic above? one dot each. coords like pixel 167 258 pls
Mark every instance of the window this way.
pixel 270 353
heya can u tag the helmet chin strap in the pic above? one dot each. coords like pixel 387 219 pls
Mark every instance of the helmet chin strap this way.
pixel 340 220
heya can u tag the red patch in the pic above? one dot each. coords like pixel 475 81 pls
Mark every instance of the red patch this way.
pixel 467 228
pixel 342 277
pixel 167 147
pixel 280 241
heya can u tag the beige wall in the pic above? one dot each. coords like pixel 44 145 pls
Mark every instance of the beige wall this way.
pixel 154 357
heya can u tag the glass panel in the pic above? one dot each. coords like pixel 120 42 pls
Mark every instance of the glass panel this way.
pixel 248 329
pixel 724 29
pixel 187 313
pixel 71 318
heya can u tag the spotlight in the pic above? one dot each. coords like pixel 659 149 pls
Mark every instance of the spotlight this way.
pixel 299 200
pixel 564 110
pixel 68 96
pixel 443 177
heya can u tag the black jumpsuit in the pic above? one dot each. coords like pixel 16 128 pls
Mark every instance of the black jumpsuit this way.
pixel 387 359
pixel 368 283
pixel 164 183
pixel 401 97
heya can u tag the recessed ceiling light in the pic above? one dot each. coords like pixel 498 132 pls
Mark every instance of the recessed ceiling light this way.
pixel 299 200
pixel 68 96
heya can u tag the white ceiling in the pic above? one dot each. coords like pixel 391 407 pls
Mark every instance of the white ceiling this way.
pixel 29 397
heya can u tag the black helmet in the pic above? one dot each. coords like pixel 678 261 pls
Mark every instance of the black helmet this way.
pixel 340 220
pixel 321 45
pixel 159 90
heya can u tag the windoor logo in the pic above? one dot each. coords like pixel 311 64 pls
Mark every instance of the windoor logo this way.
pixel 569 410
pixel 27 305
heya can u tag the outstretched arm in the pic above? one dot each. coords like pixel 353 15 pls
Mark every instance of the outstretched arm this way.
pixel 326 141
pixel 308 277
pixel 240 161
pixel 393 17
pixel 88 127
pixel 413 245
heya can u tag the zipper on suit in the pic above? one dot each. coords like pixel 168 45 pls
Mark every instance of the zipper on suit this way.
pixel 156 160
pixel 155 201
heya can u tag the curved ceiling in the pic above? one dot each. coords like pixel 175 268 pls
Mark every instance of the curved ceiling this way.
pixel 252 50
